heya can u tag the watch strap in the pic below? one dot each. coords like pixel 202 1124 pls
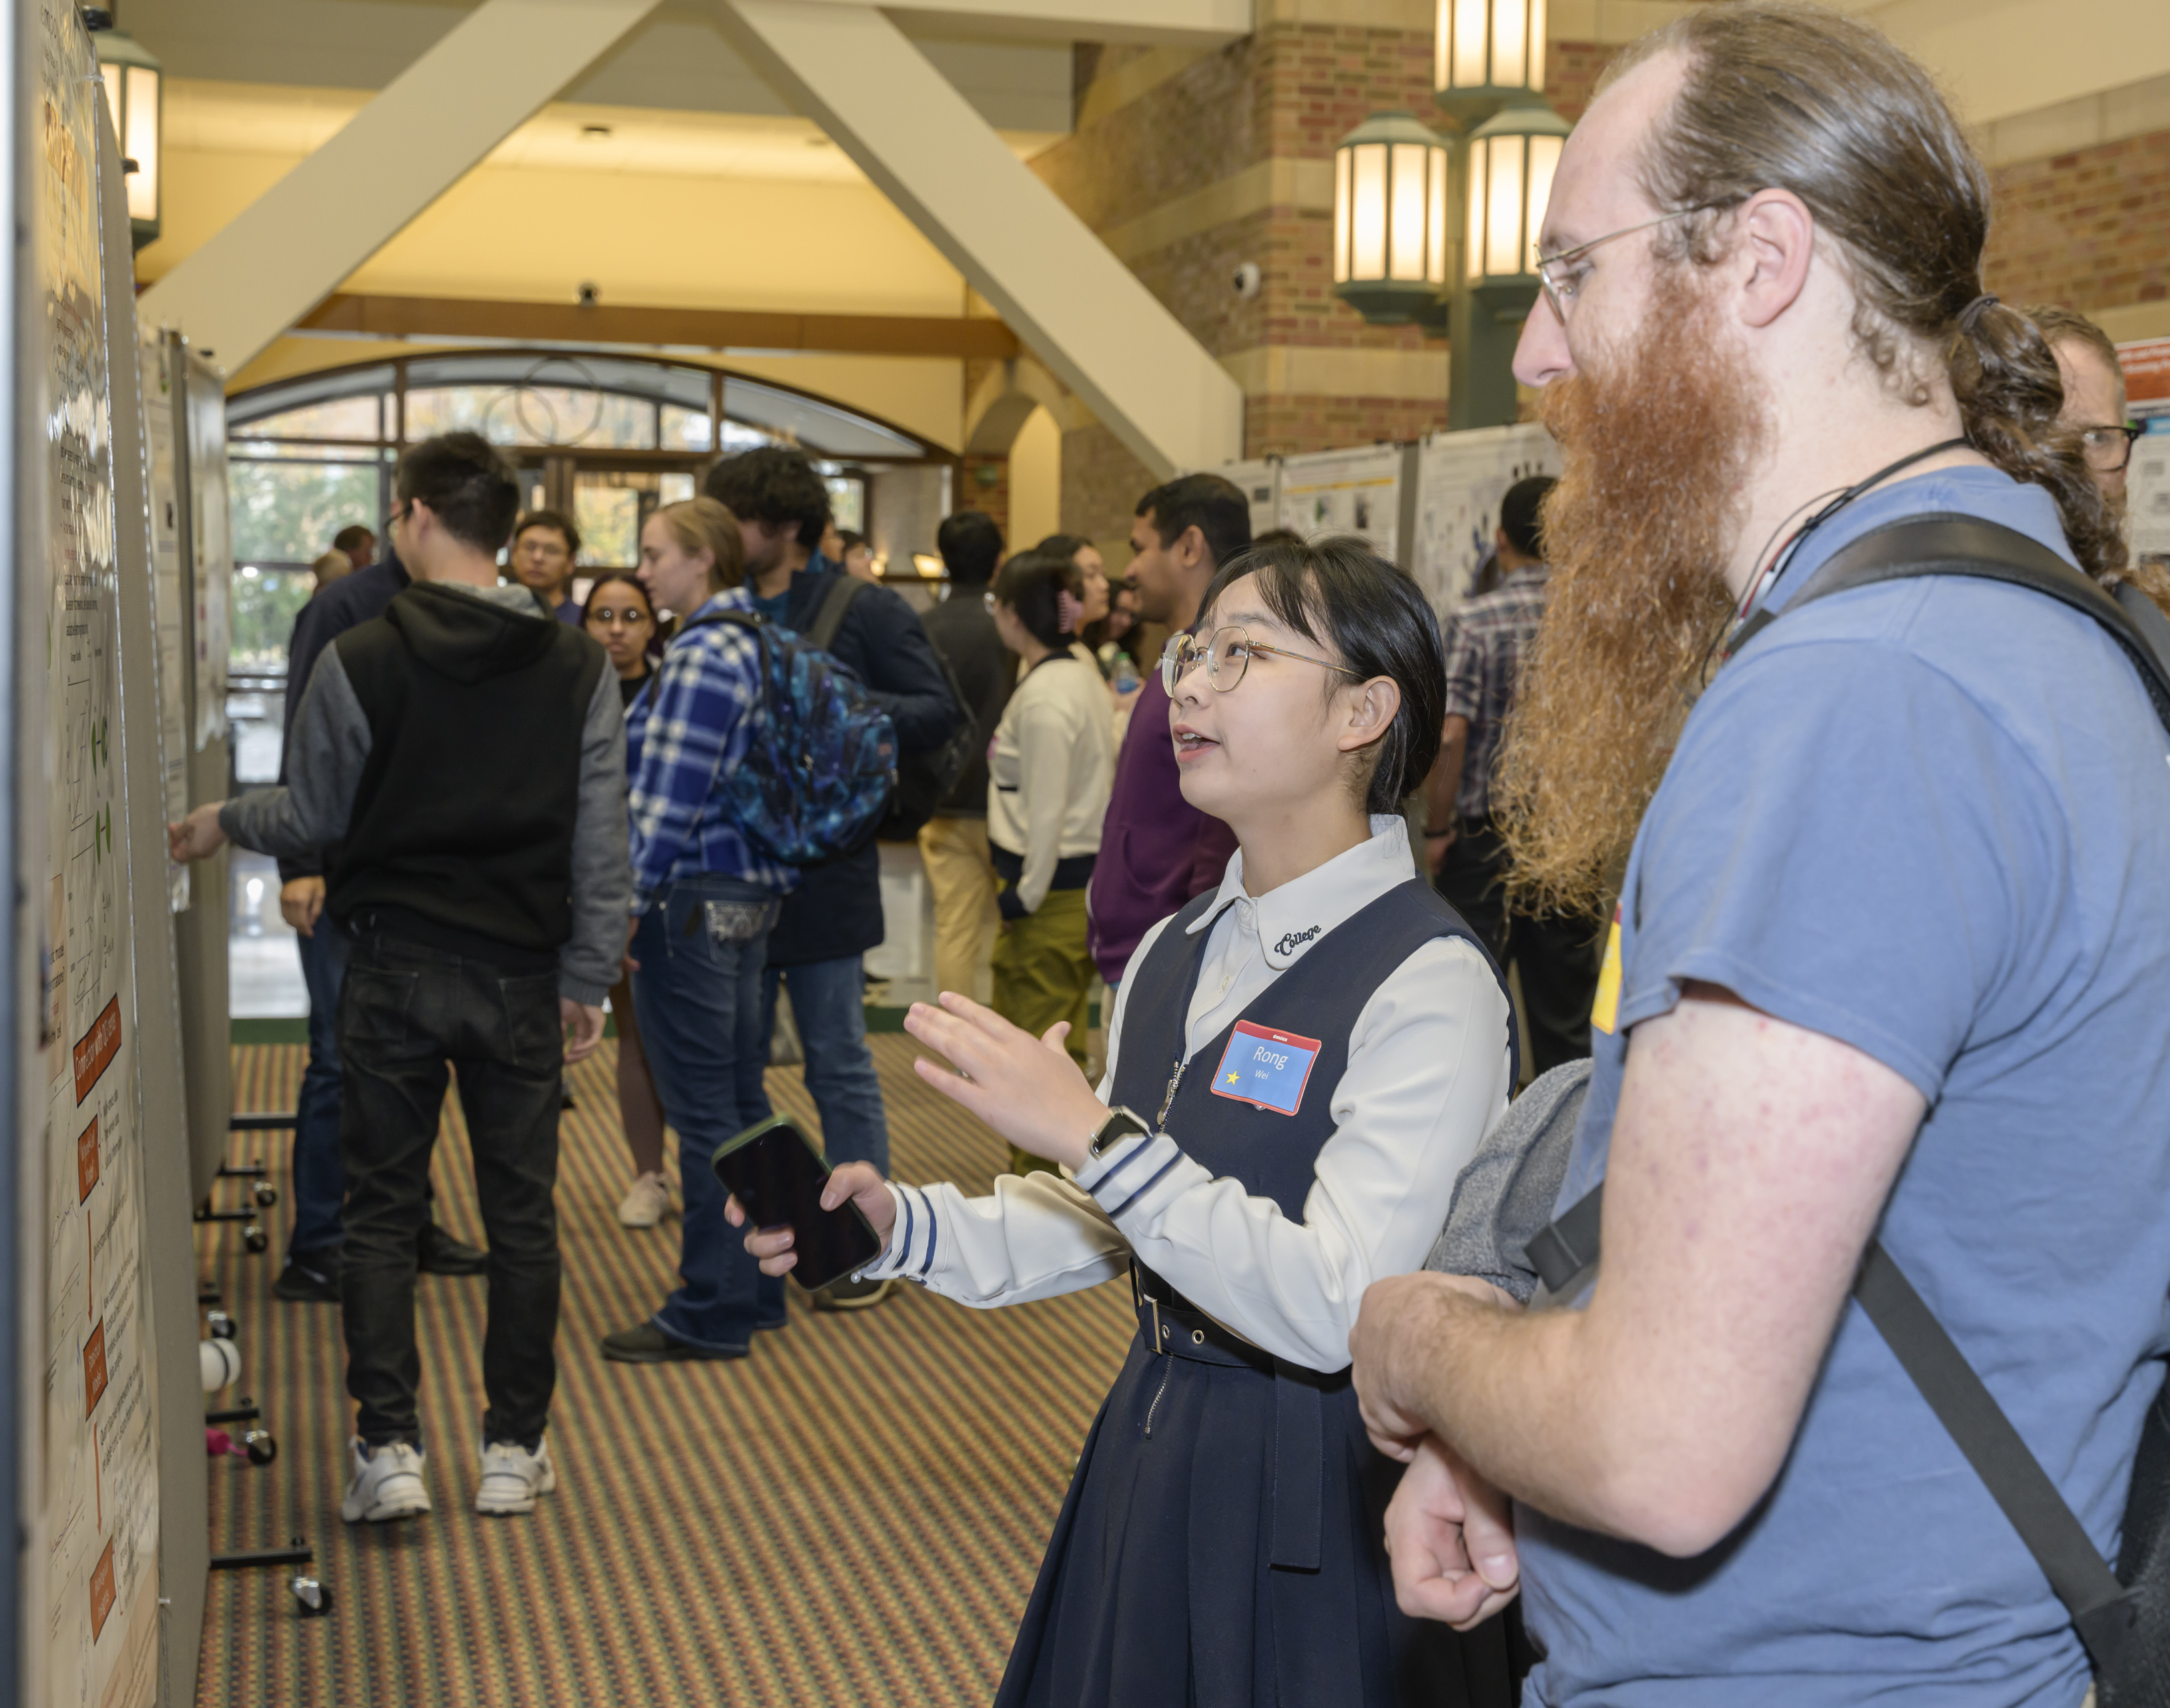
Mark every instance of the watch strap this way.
pixel 1120 1124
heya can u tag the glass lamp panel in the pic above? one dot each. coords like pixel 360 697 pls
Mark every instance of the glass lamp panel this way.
pixel 1368 211
pixel 1341 215
pixel 1436 222
pixel 1511 59
pixel 1469 20
pixel 1503 209
pixel 1480 154
pixel 1442 45
pixel 141 141
pixel 1405 239
pixel 1537 24
pixel 1544 162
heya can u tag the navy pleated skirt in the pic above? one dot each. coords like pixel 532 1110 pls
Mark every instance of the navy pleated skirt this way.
pixel 1158 1591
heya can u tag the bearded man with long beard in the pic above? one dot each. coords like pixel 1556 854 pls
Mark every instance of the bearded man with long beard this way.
pixel 1886 961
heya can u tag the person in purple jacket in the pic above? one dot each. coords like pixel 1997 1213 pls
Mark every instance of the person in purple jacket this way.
pixel 1156 850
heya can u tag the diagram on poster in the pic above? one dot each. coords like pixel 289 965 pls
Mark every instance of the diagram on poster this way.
pixel 1346 492
pixel 99 1482
pixel 1461 479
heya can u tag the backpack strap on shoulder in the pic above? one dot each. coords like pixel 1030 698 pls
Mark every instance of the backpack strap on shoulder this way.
pixel 1942 543
pixel 834 604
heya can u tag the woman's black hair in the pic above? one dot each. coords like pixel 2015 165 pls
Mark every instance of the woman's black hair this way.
pixel 1030 584
pixel 1341 594
pixel 1064 546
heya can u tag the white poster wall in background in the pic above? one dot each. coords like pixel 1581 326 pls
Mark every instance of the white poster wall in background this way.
pixel 1346 492
pixel 99 1467
pixel 1461 479
pixel 1259 480
pixel 2146 364
pixel 206 416
pixel 168 589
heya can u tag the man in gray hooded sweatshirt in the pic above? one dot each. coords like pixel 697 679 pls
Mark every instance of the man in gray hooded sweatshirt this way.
pixel 466 754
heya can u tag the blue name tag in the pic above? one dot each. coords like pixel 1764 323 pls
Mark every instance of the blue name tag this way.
pixel 1265 1068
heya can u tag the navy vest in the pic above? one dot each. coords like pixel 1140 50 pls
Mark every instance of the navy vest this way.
pixel 1321 996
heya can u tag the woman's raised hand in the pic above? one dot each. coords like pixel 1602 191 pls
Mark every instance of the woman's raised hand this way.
pixel 1026 1088
pixel 859 1182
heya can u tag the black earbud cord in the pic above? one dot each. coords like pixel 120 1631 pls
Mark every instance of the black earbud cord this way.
pixel 1778 560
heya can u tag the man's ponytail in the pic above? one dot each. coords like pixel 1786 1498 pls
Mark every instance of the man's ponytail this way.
pixel 2005 377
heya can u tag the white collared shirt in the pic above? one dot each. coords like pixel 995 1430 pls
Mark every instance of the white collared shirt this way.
pixel 1428 1074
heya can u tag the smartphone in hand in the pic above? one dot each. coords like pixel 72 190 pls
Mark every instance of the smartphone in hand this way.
pixel 777 1173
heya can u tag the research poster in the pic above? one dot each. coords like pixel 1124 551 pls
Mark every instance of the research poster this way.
pixel 1260 479
pixel 1346 492
pixel 169 586
pixel 2146 364
pixel 98 1459
pixel 1461 479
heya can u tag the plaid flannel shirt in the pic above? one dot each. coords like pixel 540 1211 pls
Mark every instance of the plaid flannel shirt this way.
pixel 1485 644
pixel 683 734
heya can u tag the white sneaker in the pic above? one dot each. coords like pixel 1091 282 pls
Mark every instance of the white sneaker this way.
pixel 645 1203
pixel 388 1484
pixel 512 1477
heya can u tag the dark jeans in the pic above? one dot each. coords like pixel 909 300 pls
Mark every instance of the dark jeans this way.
pixel 829 1001
pixel 319 1182
pixel 406 1010
pixel 1557 956
pixel 698 997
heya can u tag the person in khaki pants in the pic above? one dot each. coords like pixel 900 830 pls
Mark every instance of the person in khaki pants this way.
pixel 961 874
pixel 953 844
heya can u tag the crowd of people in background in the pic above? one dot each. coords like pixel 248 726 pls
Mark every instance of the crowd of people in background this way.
pixel 1279 817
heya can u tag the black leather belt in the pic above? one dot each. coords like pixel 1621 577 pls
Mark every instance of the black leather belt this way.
pixel 1171 1326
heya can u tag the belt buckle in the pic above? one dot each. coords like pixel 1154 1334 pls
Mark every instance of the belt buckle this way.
pixel 1138 1292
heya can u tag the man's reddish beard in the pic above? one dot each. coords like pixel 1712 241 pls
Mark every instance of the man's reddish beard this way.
pixel 1656 444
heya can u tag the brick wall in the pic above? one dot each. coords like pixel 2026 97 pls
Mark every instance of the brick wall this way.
pixel 967 492
pixel 1226 159
pixel 2088 230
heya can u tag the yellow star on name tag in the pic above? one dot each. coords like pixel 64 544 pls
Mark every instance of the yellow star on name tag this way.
pixel 1233 1078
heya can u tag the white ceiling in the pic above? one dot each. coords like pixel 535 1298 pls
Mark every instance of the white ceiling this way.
pixel 230 118
pixel 676 61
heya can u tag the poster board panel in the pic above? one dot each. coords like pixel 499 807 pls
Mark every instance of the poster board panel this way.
pixel 1346 492
pixel 2146 364
pixel 99 1463
pixel 1259 480
pixel 1461 479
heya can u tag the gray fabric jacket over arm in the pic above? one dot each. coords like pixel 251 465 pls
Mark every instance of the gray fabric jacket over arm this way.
pixel 330 746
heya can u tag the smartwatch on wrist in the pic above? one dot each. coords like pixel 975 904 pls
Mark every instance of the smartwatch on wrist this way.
pixel 1120 1124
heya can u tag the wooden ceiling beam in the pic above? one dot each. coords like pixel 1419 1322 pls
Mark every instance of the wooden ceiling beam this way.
pixel 363 316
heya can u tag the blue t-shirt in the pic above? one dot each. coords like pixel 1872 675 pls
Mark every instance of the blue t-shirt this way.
pixel 1930 818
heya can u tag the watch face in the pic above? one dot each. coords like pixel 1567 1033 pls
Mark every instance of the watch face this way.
pixel 1119 1125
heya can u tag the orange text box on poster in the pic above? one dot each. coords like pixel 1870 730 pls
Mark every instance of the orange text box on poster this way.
pixel 2146 364
pixel 102 1593
pixel 85 1161
pixel 98 1047
pixel 93 1369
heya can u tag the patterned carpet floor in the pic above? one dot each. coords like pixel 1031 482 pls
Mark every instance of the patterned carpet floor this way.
pixel 853 1515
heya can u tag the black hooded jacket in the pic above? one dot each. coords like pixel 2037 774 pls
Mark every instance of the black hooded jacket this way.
pixel 463 821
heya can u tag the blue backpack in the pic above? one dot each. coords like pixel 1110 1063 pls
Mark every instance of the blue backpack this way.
pixel 818 775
